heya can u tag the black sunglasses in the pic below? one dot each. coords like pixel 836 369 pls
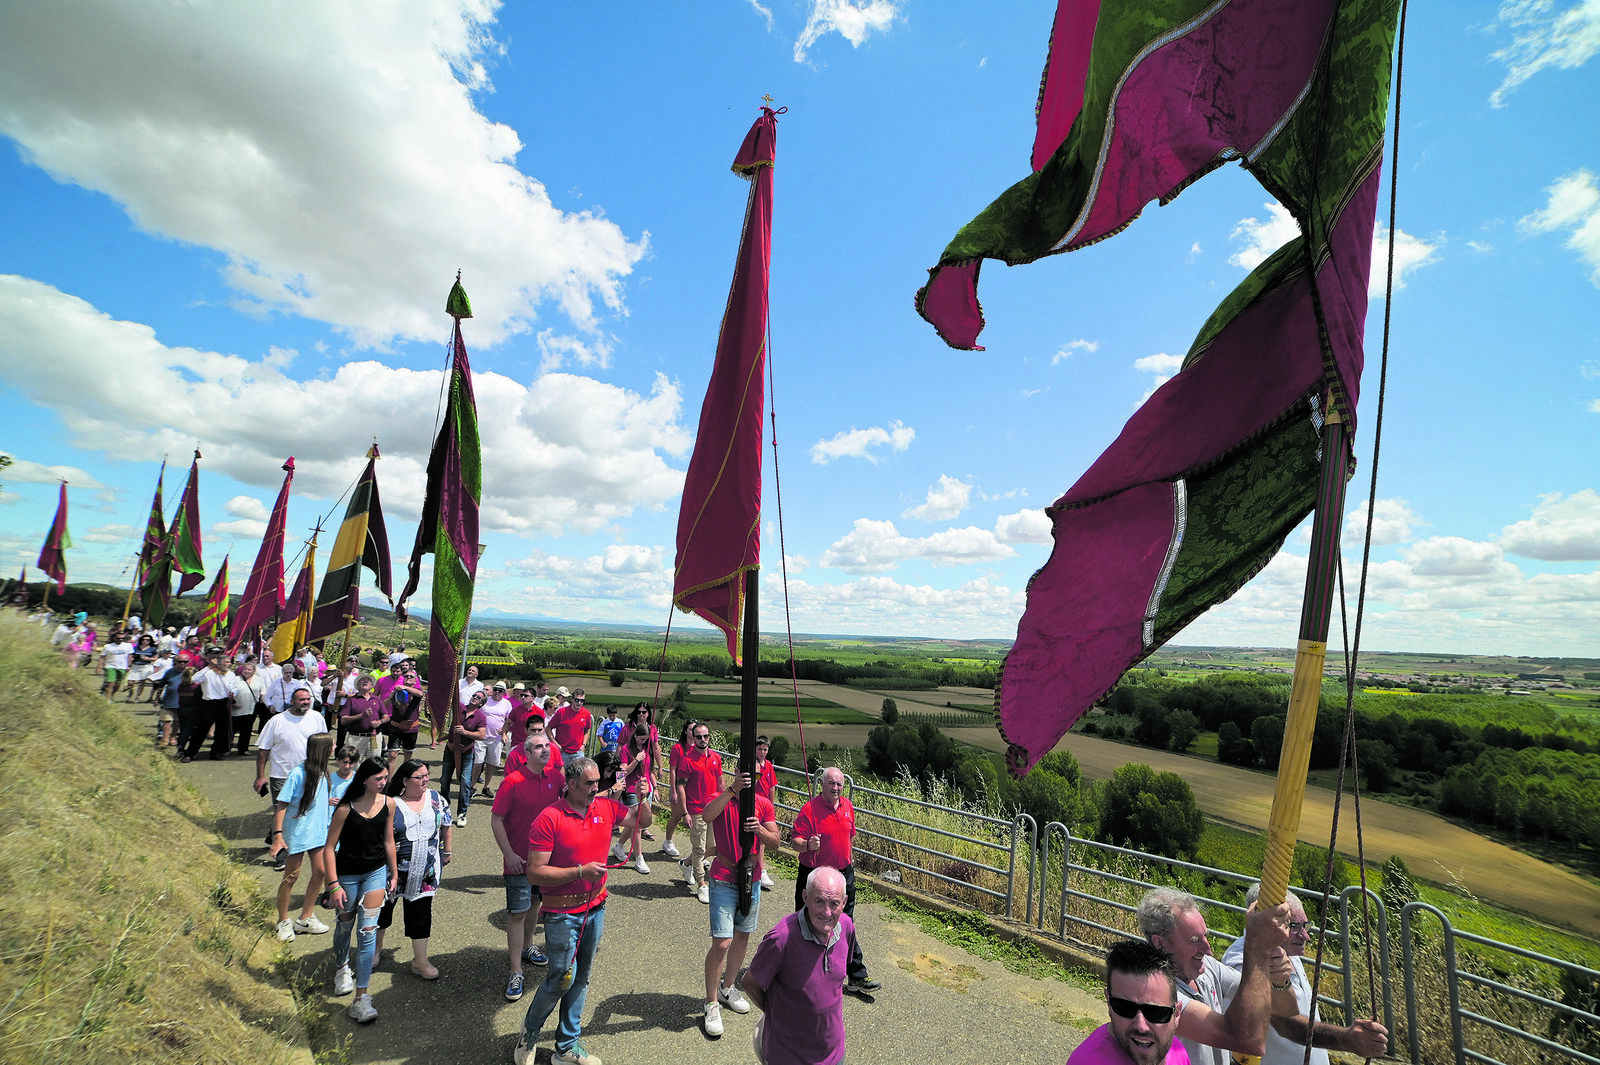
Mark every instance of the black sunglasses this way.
pixel 1127 1009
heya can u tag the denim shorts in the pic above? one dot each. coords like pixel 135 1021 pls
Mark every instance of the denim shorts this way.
pixel 519 893
pixel 724 909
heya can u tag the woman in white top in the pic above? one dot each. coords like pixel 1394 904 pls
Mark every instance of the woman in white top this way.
pixel 422 837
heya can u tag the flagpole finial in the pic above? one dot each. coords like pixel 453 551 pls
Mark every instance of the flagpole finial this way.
pixel 288 466
pixel 197 455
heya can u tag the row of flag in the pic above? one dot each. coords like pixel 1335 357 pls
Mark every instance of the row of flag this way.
pixel 448 530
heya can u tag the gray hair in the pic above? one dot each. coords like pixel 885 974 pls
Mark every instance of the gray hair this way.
pixel 575 766
pixel 821 873
pixel 1159 909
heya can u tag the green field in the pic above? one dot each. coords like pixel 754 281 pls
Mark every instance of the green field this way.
pixel 716 708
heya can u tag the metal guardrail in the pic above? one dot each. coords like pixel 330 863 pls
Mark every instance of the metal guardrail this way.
pixel 905 840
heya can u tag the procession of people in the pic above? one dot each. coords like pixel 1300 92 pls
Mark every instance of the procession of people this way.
pixel 354 805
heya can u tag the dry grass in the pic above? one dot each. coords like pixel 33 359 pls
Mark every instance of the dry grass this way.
pixel 126 935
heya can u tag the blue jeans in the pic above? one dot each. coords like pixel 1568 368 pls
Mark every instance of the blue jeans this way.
pixel 561 942
pixel 449 769
pixel 355 890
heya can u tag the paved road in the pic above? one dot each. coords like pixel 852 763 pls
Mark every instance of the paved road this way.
pixel 937 1004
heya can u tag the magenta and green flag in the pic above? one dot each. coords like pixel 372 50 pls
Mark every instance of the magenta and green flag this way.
pixel 214 619
pixel 1218 466
pixel 719 522
pixel 449 526
pixel 184 533
pixel 154 575
pixel 362 541
pixel 263 591
pixel 53 553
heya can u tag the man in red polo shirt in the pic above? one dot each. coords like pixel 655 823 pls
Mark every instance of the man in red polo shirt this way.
pixel 567 848
pixel 824 833
pixel 523 795
pixel 698 781
pixel 571 723
pixel 730 932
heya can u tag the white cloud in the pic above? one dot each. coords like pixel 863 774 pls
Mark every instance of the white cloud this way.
pixel 1457 558
pixel 543 470
pixel 1590 370
pixel 945 500
pixel 1410 253
pixel 1071 347
pixel 1476 245
pixel 558 350
pixel 1263 237
pixel 247 507
pixel 26 471
pixel 1444 593
pixel 114 533
pixel 1544 38
pixel 240 529
pixel 1159 363
pixel 620 572
pixel 982 607
pixel 851 19
pixel 764 12
pixel 1562 529
pixel 331 153
pixel 875 546
pixel 1162 365
pixel 1392 524
pixel 1031 526
pixel 1573 203
pixel 858 443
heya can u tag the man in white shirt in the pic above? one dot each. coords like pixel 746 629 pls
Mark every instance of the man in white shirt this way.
pixel 291 677
pixel 470 685
pixel 217 683
pixel 282 744
pixel 115 658
pixel 1286 1039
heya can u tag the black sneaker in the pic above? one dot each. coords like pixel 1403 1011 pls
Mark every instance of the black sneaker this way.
pixel 862 985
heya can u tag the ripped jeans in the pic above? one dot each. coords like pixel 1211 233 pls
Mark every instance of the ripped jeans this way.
pixel 356 887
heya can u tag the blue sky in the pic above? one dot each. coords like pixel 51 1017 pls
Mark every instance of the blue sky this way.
pixel 235 226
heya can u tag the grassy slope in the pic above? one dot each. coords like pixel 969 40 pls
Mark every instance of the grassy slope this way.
pixel 125 934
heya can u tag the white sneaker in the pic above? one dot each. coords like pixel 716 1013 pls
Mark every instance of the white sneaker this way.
pixel 311 926
pixel 713 1019
pixel 688 874
pixel 522 1053
pixel 734 999
pixel 638 863
pixel 618 855
pixel 344 981
pixel 362 1011
pixel 766 881
pixel 574 1055
pixel 670 849
pixel 286 930
pixel 704 894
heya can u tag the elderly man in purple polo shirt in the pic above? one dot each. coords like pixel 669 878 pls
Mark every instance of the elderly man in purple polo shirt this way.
pixel 797 978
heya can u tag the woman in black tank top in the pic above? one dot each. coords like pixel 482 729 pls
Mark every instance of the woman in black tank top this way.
pixel 360 857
